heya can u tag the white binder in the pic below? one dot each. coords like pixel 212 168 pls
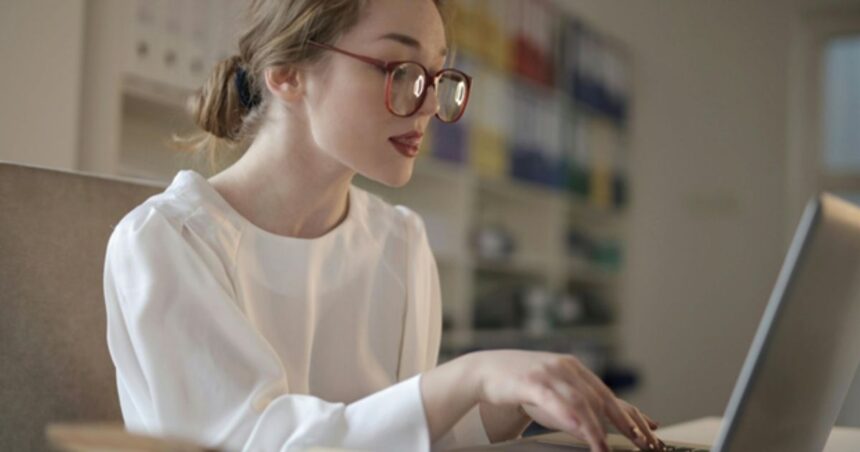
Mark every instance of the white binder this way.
pixel 146 46
pixel 197 40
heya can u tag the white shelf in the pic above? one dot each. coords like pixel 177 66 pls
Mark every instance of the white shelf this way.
pixel 442 171
pixel 525 265
pixel 520 191
pixel 581 270
pixel 591 344
pixel 599 334
pixel 160 93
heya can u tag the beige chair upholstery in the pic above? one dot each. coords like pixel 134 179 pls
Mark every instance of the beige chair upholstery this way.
pixel 54 362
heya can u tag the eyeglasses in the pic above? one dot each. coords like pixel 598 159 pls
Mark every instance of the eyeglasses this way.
pixel 406 86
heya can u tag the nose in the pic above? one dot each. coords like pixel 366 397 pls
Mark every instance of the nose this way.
pixel 431 103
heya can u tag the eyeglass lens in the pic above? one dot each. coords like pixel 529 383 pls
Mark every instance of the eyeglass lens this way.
pixel 408 82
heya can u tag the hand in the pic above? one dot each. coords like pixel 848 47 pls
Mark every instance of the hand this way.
pixel 558 392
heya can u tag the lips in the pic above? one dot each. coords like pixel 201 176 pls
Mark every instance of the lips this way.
pixel 412 138
pixel 407 144
pixel 408 150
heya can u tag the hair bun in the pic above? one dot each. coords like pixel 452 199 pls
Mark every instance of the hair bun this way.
pixel 218 108
pixel 248 94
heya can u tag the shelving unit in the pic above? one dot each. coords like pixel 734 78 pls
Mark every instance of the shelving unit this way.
pixel 133 109
pixel 543 261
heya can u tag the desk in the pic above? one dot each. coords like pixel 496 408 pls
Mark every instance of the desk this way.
pixel 93 437
pixel 705 431
pixel 701 431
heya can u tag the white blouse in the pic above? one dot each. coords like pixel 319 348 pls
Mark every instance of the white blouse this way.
pixel 241 339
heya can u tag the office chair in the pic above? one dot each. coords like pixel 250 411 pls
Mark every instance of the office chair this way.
pixel 54 362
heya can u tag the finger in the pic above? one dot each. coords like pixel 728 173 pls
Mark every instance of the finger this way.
pixel 596 385
pixel 626 425
pixel 654 443
pixel 596 401
pixel 592 429
pixel 541 392
pixel 651 422
pixel 642 435
pixel 579 401
pixel 585 382
pixel 571 421
pixel 614 410
pixel 573 406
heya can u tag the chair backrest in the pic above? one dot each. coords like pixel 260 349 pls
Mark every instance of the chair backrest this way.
pixel 54 362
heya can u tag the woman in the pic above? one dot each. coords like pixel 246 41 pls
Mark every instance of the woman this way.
pixel 275 305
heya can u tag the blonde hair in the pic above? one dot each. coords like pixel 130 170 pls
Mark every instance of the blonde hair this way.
pixel 276 34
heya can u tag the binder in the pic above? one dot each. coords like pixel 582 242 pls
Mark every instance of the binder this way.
pixel 498 35
pixel 527 162
pixel 197 39
pixel 225 17
pixel 603 143
pixel 490 124
pixel 553 147
pixel 575 133
pixel 465 32
pixel 532 41
pixel 173 51
pixel 146 44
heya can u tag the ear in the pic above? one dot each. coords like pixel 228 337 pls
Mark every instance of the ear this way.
pixel 285 83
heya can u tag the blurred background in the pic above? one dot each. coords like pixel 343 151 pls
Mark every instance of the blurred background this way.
pixel 623 186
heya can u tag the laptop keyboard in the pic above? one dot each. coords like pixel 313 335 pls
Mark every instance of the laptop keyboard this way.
pixel 683 449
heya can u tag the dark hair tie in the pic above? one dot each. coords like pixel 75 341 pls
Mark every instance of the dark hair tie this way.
pixel 247 99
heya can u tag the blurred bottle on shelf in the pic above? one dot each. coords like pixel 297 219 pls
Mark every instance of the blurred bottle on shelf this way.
pixel 491 239
pixel 606 255
pixel 537 301
pixel 568 310
pixel 497 306
pixel 493 242
pixel 596 310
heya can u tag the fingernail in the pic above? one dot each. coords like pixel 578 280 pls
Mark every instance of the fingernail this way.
pixel 651 446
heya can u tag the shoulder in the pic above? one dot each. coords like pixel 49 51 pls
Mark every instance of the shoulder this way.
pixel 162 226
pixel 188 202
pixel 157 243
pixel 397 220
pixel 165 212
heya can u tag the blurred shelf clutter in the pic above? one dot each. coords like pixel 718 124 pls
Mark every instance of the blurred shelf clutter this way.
pixel 524 199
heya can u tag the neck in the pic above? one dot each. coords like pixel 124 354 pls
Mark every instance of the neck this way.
pixel 285 185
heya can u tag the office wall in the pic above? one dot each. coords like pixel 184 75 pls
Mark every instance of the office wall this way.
pixel 41 53
pixel 709 217
pixel 709 134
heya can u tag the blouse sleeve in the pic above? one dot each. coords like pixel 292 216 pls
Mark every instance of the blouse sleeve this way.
pixel 189 365
pixel 469 430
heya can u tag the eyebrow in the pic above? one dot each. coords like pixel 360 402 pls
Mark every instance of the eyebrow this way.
pixel 409 41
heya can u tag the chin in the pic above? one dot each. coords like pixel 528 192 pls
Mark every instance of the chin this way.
pixel 393 179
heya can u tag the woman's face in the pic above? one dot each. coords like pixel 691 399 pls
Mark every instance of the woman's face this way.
pixel 346 101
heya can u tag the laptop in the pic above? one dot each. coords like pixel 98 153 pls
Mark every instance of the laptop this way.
pixel 804 354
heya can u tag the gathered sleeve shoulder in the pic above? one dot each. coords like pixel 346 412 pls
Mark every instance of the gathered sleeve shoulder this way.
pixel 190 365
pixel 421 349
